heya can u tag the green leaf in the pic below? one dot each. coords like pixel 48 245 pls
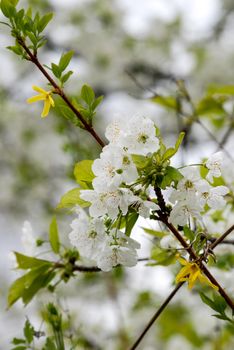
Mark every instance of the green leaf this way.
pixel 54 236
pixel 158 234
pixel 28 331
pixel 17 341
pixel 83 173
pixel 166 101
pixel 218 304
pixel 87 94
pixel 21 347
pixel 44 21
pixel 66 76
pixel 65 60
pixel 8 7
pixel 163 257
pixel 16 49
pixel 171 175
pixel 28 262
pixel 189 233
pixel 96 103
pixel 221 89
pixel 173 150
pixel 56 70
pixel 130 222
pixel 140 161
pixel 49 345
pixel 210 105
pixel 41 281
pixel 72 198
pixel 68 114
pixel 223 317
pixel 22 284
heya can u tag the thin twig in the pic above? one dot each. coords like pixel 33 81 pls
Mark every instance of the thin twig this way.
pixel 156 315
pixel 164 218
pixel 60 92
pixel 221 238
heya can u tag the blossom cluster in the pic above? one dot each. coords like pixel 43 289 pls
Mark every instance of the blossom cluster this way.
pixel 193 193
pixel 113 193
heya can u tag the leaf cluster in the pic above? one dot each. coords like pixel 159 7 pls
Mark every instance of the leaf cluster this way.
pixel 24 26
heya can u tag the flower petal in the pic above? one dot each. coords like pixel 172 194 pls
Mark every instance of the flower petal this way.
pixel 46 108
pixel 36 98
pixel 40 90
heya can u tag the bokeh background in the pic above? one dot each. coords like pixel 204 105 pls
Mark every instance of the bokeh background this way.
pixel 128 51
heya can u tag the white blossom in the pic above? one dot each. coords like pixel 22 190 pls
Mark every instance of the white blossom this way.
pixel 87 235
pixel 213 196
pixel 144 207
pixel 183 211
pixel 137 135
pixel 188 185
pixel 112 168
pixel 115 131
pixel 214 164
pixel 28 240
pixel 120 250
pixel 109 202
pixel 140 136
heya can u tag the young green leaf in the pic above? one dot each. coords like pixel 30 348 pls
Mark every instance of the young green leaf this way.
pixel 56 70
pixel 87 94
pixel 166 101
pixel 28 332
pixel 28 262
pixel 22 284
pixel 65 60
pixel 130 222
pixel 54 236
pixel 44 21
pixel 8 7
pixel 66 76
pixel 83 173
pixel 155 233
pixel 72 198
pixel 170 152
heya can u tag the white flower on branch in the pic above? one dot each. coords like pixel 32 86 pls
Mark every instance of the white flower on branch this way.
pixel 187 187
pixel 120 250
pixel 87 235
pixel 184 210
pixel 213 196
pixel 109 202
pixel 214 164
pixel 137 135
pixel 114 167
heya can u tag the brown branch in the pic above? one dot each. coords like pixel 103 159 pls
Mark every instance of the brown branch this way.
pixel 163 217
pixel 156 316
pixel 221 238
pixel 79 268
pixel 60 92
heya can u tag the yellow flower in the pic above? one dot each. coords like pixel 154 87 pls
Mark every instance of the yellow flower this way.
pixel 43 96
pixel 191 272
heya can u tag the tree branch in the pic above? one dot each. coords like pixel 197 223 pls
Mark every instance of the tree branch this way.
pixel 156 316
pixel 60 92
pixel 221 238
pixel 164 218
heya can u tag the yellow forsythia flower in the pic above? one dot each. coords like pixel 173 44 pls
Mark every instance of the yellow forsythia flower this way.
pixel 43 96
pixel 191 272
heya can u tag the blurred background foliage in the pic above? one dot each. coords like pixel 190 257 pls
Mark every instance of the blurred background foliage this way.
pixel 134 53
